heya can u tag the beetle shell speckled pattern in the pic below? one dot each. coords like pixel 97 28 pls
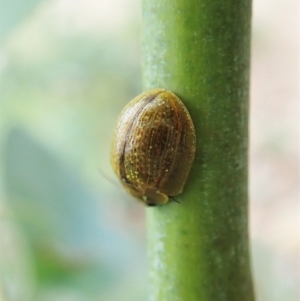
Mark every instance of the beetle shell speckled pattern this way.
pixel 154 146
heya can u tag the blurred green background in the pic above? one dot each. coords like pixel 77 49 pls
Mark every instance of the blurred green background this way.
pixel 67 233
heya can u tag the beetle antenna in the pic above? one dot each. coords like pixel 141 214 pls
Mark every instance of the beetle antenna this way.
pixel 108 178
pixel 174 200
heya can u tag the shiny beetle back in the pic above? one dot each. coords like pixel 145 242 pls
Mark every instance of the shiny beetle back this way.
pixel 154 146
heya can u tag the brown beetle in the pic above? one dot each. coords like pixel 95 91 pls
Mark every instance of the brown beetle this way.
pixel 154 146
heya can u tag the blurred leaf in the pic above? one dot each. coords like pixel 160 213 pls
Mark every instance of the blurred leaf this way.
pixel 47 196
pixel 73 243
pixel 13 12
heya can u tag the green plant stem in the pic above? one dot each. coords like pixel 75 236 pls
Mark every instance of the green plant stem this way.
pixel 198 249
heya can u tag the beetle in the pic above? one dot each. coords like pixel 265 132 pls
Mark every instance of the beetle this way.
pixel 153 147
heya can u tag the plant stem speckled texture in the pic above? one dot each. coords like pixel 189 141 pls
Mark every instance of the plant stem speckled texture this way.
pixel 198 249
